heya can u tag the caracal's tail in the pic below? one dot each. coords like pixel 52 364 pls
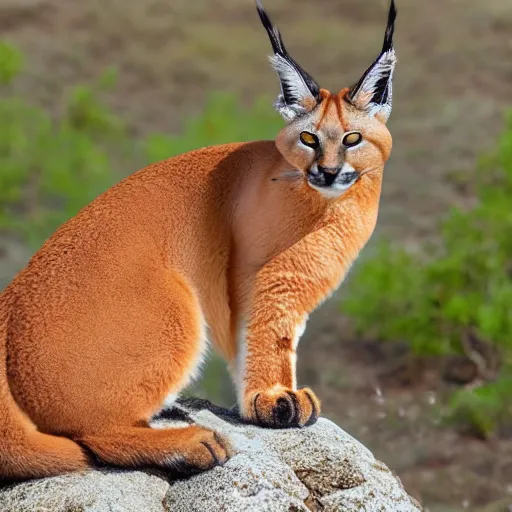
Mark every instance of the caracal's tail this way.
pixel 25 452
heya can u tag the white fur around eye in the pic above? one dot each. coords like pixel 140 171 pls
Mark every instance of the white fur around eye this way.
pixel 356 147
pixel 302 145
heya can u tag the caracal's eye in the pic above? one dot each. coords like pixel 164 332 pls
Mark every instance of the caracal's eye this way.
pixel 352 139
pixel 309 139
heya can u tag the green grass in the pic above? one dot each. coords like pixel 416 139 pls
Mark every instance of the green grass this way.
pixel 52 167
pixel 434 299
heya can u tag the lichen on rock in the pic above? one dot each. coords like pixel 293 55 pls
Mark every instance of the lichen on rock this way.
pixel 314 468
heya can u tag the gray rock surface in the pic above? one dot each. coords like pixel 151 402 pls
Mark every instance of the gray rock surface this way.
pixel 315 468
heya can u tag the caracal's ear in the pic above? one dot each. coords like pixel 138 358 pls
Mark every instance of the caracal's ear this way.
pixel 373 92
pixel 299 92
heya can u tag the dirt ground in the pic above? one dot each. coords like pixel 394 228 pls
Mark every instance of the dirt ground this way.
pixel 453 82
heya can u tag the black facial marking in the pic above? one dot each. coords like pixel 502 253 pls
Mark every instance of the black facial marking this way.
pixel 319 152
pixel 329 178
pixel 347 178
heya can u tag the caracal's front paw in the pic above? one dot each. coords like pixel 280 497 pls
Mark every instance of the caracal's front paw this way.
pixel 203 450
pixel 283 408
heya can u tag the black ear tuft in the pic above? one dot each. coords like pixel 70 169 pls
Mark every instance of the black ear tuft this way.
pixel 296 84
pixel 390 29
pixel 373 92
pixel 273 32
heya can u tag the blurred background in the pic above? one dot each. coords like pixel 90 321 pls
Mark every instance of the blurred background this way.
pixel 413 356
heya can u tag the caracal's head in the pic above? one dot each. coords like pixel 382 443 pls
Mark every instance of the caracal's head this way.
pixel 334 139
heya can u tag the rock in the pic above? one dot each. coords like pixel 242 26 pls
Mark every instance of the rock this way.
pixel 95 491
pixel 315 468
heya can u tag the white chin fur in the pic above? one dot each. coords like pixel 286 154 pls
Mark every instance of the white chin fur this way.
pixel 331 192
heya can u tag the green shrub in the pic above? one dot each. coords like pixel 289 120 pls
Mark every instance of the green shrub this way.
pixel 483 410
pixel 433 299
pixel 11 62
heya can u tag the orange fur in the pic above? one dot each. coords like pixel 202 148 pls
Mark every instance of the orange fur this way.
pixel 110 315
